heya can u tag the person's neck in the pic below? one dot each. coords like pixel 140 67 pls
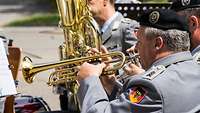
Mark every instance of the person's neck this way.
pixel 158 56
pixel 106 14
pixel 163 54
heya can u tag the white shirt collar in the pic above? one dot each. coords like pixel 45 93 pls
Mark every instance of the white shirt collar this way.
pixel 195 50
pixel 108 22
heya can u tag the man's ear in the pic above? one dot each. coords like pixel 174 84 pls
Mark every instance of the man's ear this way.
pixel 159 43
pixel 193 23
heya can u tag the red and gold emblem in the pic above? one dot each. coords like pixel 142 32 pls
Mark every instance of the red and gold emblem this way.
pixel 136 95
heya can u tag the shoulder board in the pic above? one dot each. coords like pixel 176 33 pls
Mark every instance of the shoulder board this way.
pixel 154 72
pixel 198 60
pixel 126 20
pixel 197 57
pixel 116 25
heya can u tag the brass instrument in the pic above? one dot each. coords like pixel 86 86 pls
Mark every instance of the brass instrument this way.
pixel 80 35
pixel 29 71
pixel 134 58
pixel 122 77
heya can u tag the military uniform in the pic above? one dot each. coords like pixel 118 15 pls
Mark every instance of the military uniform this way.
pixel 118 36
pixel 166 87
pixel 169 86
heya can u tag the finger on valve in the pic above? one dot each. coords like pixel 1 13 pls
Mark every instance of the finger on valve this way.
pixel 105 51
pixel 131 49
pixel 132 69
pixel 93 51
pixel 86 70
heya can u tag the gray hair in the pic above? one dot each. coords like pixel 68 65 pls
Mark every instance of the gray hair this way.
pixel 174 39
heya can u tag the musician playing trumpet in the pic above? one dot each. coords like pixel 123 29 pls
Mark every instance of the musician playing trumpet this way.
pixel 163 45
pixel 113 83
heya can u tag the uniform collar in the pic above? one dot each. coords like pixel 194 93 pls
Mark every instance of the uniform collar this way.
pixel 195 50
pixel 174 58
pixel 108 22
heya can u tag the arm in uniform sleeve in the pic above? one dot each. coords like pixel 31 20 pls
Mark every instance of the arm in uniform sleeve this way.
pixel 128 40
pixel 128 27
pixel 136 98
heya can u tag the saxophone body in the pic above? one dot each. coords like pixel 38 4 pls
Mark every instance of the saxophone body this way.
pixel 80 35
pixel 79 32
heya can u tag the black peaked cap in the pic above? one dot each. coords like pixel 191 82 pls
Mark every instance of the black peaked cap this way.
pixel 164 19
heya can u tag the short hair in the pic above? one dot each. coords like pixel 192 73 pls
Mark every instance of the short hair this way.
pixel 175 40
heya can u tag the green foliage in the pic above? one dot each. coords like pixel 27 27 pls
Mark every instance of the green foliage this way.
pixel 37 20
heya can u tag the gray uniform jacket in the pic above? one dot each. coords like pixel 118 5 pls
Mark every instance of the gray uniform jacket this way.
pixel 169 86
pixel 119 34
pixel 196 54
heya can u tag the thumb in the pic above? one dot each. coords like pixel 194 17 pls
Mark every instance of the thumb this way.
pixel 102 65
pixel 104 49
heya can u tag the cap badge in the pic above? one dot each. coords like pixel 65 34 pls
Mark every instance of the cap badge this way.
pixel 154 17
pixel 185 2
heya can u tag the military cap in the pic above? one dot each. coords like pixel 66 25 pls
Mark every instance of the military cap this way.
pixel 164 19
pixel 178 5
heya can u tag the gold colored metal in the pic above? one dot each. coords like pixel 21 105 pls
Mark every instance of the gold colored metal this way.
pixel 81 34
pixel 135 59
pixel 29 71
pixel 78 27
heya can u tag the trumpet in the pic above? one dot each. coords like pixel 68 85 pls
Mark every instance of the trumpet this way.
pixel 134 58
pixel 69 74
pixel 121 77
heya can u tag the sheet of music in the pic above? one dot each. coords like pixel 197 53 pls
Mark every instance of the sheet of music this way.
pixel 7 85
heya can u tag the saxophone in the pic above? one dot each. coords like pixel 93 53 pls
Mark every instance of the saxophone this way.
pixel 80 35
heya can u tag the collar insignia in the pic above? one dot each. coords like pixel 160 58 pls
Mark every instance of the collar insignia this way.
pixel 197 57
pixel 154 72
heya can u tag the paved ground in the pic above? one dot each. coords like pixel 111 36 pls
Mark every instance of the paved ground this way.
pixel 40 44
pixel 41 47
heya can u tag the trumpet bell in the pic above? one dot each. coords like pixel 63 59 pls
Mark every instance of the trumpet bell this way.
pixel 26 69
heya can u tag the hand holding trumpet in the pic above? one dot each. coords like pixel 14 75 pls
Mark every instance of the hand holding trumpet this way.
pixel 96 70
pixel 133 67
